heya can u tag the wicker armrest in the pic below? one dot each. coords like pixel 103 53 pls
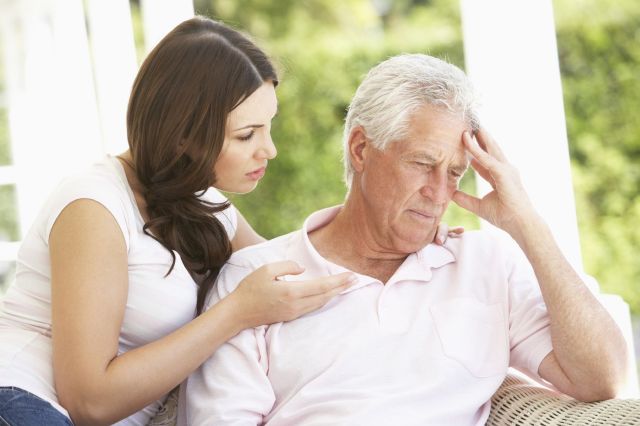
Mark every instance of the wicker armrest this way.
pixel 168 413
pixel 520 403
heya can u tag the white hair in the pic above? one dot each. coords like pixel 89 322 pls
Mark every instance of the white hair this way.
pixel 394 89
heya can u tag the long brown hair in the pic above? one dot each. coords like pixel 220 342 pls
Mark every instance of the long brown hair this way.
pixel 179 103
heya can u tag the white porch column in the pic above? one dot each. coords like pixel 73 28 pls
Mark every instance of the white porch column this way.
pixel 114 65
pixel 160 16
pixel 511 56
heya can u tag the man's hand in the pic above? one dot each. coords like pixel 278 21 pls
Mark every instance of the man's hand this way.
pixel 508 205
pixel 588 360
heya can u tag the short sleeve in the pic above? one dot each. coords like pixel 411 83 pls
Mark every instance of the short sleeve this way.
pixel 228 217
pixel 94 188
pixel 529 332
pixel 231 387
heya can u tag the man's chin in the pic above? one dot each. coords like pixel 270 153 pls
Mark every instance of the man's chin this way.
pixel 412 245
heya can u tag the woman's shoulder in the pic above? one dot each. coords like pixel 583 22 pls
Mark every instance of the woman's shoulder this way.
pixel 103 173
pixel 100 182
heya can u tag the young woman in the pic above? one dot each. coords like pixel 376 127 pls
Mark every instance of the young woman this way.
pixel 99 325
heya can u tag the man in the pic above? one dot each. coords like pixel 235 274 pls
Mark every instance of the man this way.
pixel 426 335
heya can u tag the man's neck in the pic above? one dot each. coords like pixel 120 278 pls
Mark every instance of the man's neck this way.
pixel 348 241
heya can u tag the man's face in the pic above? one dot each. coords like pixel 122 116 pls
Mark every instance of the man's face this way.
pixel 407 187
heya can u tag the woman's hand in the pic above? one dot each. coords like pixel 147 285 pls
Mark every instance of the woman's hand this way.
pixel 445 232
pixel 264 299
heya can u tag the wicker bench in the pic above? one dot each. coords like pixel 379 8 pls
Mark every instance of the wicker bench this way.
pixel 516 403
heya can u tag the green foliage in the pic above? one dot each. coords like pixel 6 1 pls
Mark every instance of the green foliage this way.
pixel 5 151
pixel 8 220
pixel 599 49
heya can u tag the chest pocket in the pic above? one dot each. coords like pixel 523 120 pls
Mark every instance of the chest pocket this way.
pixel 474 334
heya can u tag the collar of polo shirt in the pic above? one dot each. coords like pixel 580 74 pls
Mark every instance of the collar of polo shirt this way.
pixel 416 267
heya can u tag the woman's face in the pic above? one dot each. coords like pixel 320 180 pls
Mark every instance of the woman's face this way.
pixel 247 142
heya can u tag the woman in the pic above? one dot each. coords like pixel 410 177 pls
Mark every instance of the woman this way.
pixel 99 325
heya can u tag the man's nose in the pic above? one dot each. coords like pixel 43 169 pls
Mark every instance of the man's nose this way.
pixel 436 188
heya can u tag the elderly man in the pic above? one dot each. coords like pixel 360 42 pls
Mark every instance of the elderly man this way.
pixel 427 333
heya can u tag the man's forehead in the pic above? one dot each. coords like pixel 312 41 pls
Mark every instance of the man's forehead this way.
pixel 434 133
pixel 433 146
pixel 436 154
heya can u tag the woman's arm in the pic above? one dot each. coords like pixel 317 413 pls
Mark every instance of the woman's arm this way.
pixel 89 270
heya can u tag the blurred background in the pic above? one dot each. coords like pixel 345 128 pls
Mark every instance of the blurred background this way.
pixel 322 49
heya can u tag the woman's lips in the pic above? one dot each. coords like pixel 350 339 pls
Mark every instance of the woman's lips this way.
pixel 256 174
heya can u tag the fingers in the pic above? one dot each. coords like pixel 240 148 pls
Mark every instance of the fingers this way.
pixel 441 233
pixel 319 286
pixel 456 231
pixel 270 300
pixel 479 154
pixel 467 202
pixel 312 303
pixel 482 171
pixel 444 232
pixel 307 296
pixel 278 269
pixel 488 143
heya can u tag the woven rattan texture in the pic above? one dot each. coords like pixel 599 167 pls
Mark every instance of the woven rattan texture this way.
pixel 517 403
pixel 168 413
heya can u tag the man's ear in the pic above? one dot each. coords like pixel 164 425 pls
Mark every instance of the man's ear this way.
pixel 359 146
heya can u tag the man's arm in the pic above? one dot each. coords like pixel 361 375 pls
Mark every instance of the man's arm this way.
pixel 231 387
pixel 588 360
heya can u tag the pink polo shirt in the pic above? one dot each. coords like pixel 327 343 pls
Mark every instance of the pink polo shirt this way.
pixel 429 347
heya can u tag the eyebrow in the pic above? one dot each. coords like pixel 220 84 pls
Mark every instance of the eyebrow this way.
pixel 459 167
pixel 255 126
pixel 250 126
pixel 424 156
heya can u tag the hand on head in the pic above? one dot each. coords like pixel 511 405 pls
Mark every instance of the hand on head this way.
pixel 507 205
